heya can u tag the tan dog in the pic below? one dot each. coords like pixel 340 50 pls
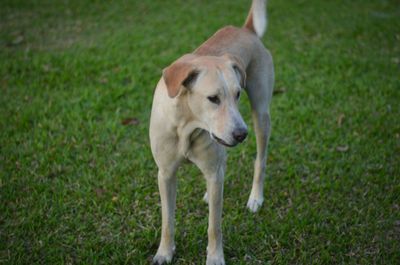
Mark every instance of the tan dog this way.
pixel 195 114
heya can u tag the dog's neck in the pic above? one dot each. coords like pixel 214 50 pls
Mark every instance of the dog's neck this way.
pixel 187 127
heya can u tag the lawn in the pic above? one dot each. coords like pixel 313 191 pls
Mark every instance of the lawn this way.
pixel 77 180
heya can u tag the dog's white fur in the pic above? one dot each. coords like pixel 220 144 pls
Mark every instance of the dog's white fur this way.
pixel 195 113
pixel 259 17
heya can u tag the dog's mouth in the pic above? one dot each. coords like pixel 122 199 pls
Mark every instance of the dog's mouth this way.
pixel 220 141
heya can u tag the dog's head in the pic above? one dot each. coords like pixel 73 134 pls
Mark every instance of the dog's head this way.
pixel 211 87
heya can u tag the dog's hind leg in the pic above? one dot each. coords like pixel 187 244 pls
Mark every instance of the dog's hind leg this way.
pixel 259 89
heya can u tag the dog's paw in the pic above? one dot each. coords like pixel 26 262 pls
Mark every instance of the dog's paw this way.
pixel 205 198
pixel 254 204
pixel 162 257
pixel 215 260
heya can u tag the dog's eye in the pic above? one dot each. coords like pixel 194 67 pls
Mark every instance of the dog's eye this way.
pixel 214 99
pixel 238 95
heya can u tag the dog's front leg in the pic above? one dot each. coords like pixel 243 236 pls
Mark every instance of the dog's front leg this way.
pixel 167 187
pixel 215 186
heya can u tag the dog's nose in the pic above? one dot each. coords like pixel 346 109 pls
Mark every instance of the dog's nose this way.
pixel 240 134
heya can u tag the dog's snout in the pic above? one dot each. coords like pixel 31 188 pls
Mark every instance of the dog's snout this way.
pixel 240 134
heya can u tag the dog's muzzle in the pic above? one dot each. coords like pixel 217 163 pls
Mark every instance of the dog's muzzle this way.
pixel 238 139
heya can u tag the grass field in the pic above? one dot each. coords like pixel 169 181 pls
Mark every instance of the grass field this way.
pixel 77 186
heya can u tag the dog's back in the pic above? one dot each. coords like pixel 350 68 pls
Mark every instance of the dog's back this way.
pixel 244 42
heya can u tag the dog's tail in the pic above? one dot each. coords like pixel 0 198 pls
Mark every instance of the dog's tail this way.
pixel 257 18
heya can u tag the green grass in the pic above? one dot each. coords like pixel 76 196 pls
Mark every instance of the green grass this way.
pixel 78 187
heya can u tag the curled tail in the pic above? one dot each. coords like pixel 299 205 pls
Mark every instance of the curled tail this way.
pixel 257 18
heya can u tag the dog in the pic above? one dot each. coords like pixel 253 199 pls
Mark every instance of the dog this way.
pixel 195 116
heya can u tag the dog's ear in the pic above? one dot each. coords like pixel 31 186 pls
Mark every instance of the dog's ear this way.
pixel 238 67
pixel 180 73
